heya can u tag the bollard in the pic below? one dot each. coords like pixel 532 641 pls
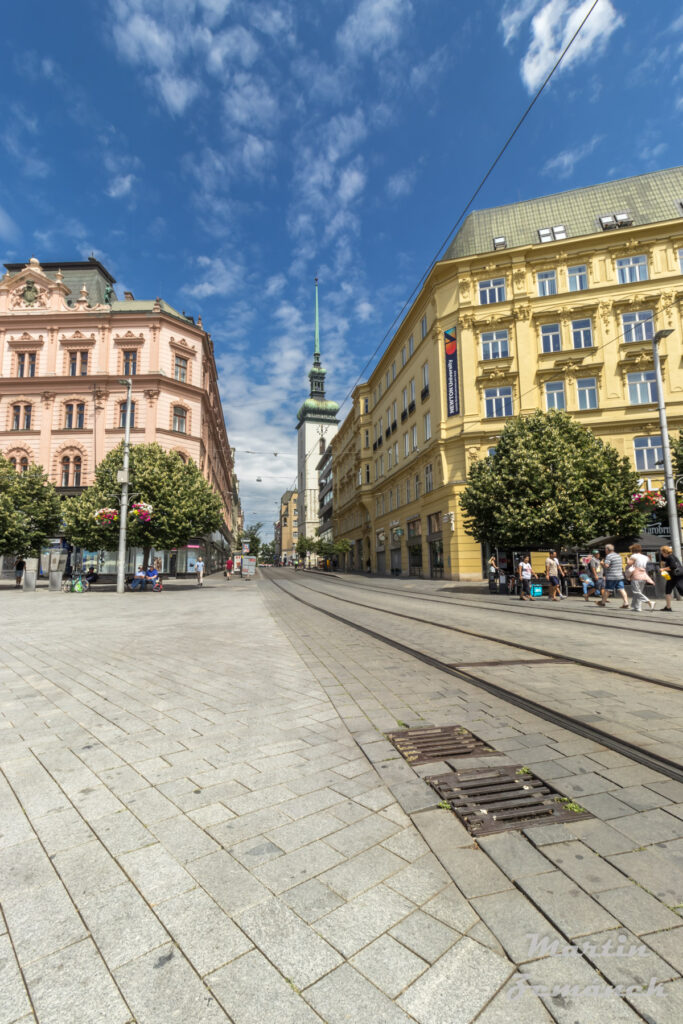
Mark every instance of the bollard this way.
pixel 55 579
pixel 29 580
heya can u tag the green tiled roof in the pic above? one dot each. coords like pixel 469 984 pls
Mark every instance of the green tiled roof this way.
pixel 145 306
pixel 648 198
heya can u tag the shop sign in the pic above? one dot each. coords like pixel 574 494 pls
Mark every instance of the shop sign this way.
pixel 452 380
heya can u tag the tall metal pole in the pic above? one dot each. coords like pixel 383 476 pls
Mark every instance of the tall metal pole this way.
pixel 666 451
pixel 123 511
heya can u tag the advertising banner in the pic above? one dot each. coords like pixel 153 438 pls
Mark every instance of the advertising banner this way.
pixel 452 379
pixel 248 565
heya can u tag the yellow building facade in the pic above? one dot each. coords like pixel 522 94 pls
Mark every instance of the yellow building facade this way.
pixel 550 303
pixel 287 526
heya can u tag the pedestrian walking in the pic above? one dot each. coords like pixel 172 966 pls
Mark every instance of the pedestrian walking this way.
pixel 636 569
pixel 228 568
pixel 525 574
pixel 19 567
pixel 598 576
pixel 553 573
pixel 199 571
pixel 671 567
pixel 614 575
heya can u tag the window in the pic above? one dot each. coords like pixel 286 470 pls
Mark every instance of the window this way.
pixel 73 364
pixel 492 291
pixel 76 358
pixel 26 364
pixel 494 345
pixel 648 451
pixel 550 338
pixel 379 390
pixel 181 369
pixel 393 412
pixel 550 234
pixel 578 278
pixel 74 416
pixel 390 457
pixel 379 428
pixel 367 438
pixel 429 480
pixel 387 381
pixel 66 470
pixel 391 501
pixel 632 268
pixel 642 387
pixel 84 364
pixel 381 465
pixel 610 221
pixel 77 471
pixel 396 453
pixel 498 402
pixel 587 393
pixel 638 326
pixel 122 415
pixel 425 376
pixel 405 399
pixel 27 417
pixel 680 260
pixel 393 371
pixel 23 464
pixel 367 473
pixel 404 355
pixel 582 333
pixel 428 426
pixel 412 390
pixel 406 444
pixel 547 282
pixel 554 395
pixel 411 345
pixel 80 416
pixel 179 419
pixel 491 452
pixel 130 363
pixel 500 242
pixel 417 485
pixel 423 326
pixel 408 497
pixel 414 438
pixel 366 405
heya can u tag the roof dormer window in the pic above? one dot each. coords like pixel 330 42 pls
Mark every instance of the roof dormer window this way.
pixel 500 242
pixel 552 234
pixel 610 221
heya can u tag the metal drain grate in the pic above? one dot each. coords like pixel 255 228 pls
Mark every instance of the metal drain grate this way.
pixel 419 746
pixel 507 797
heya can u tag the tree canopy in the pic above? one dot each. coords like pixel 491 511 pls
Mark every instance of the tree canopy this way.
pixel 550 483
pixel 183 503
pixel 252 536
pixel 30 510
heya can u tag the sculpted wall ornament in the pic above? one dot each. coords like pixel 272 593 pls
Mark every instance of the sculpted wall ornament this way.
pixel 28 296
pixel 48 396
pixel 605 314
pixel 522 312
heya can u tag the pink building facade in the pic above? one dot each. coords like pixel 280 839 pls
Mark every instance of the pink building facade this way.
pixel 65 342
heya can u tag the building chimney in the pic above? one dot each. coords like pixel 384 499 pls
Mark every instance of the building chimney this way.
pixel 128 296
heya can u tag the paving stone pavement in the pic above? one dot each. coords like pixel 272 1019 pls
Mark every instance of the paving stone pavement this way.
pixel 200 821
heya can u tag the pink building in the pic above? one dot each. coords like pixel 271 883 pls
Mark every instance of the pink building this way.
pixel 65 342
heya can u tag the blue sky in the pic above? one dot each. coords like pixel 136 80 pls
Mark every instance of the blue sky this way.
pixel 220 153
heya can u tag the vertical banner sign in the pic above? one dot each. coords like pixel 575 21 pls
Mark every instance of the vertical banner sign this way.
pixel 452 381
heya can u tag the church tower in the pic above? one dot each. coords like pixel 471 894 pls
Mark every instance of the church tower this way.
pixel 317 424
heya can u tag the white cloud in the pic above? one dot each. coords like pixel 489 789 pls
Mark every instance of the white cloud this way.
pixel 430 70
pixel 562 165
pixel 401 184
pixel 374 28
pixel 8 229
pixel 220 277
pixel 249 102
pixel 176 91
pixel 351 182
pixel 365 311
pixel 551 29
pixel 19 128
pixel 274 285
pixel 121 186
pixel 234 44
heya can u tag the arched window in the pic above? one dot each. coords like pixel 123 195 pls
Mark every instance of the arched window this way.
pixel 77 471
pixel 13 462
pixel 66 468
pixel 24 464
pixel 122 415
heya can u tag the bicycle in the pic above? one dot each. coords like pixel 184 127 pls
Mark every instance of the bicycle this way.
pixel 75 584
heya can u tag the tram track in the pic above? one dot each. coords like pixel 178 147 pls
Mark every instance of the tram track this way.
pixel 640 755
pixel 507 609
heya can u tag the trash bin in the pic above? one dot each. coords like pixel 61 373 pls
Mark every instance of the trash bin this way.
pixel 503 583
pixel 57 565
pixel 30 573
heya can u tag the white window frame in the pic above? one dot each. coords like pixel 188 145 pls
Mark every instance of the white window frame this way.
pixel 406 443
pixel 413 438
pixel 648 456
pixel 411 345
pixel 577 278
pixel 642 387
pixel 404 356
pixel 494 345
pixel 555 396
pixel 582 331
pixel 631 269
pixel 552 334
pixel 546 281
pixel 429 478
pixel 428 425
pixel 498 402
pixel 412 389
pixel 425 375
pixel 492 290
pixel 423 326
pixel 638 326
pixel 586 392
pixel 405 399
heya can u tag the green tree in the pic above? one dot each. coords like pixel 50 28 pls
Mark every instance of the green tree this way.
pixel 183 503
pixel 251 536
pixel 267 552
pixel 304 545
pixel 550 483
pixel 30 510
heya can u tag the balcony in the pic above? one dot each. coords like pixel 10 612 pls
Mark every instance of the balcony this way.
pixel 374 446
pixel 394 427
pixel 411 408
pixel 387 432
pixel 424 393
pixel 404 416
pixel 380 442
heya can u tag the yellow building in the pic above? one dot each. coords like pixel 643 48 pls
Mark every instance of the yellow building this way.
pixel 550 303
pixel 287 526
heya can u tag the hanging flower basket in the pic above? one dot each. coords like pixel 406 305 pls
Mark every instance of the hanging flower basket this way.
pixel 141 511
pixel 648 501
pixel 106 516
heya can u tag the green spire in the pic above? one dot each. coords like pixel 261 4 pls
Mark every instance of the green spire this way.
pixel 316 350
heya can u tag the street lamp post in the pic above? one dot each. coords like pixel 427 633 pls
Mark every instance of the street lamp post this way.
pixel 669 485
pixel 123 480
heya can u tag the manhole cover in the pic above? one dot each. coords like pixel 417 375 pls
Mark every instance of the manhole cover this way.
pixel 507 797
pixel 419 746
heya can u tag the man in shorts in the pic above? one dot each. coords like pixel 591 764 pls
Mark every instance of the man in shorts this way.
pixel 614 575
pixel 553 572
pixel 598 576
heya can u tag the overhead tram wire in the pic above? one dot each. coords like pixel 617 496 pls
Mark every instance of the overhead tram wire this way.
pixel 465 208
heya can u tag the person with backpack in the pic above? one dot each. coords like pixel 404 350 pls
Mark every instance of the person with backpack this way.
pixel 671 567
